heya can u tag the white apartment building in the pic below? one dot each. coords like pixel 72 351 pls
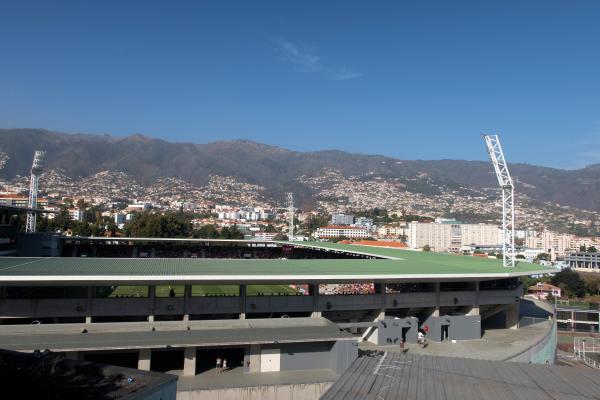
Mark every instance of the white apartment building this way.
pixel 332 231
pixel 342 219
pixel 550 242
pixel 391 231
pixel 439 237
pixel 480 234
pixel 265 235
pixel 446 236
pixel 76 214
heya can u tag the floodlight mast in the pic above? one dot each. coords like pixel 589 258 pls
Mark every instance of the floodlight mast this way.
pixel 36 171
pixel 290 204
pixel 508 198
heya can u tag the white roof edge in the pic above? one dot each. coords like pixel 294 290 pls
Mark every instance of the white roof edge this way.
pixel 257 278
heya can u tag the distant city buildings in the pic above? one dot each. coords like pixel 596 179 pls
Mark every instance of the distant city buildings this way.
pixel 446 235
pixel 342 219
pixel 335 231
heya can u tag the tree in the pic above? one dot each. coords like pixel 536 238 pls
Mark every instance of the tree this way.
pixel 81 204
pixel 206 232
pixel 270 229
pixel 156 225
pixel 231 232
pixel 570 282
pixel 403 238
pixel 520 257
pixel 592 249
pixel 542 257
pixel 281 237
pixel 111 227
pixel 426 248
pixel 582 248
pixel 592 284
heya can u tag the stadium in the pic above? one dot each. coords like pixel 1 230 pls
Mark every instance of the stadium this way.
pixel 288 316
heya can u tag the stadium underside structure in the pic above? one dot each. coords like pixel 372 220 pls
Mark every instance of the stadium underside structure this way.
pixel 276 304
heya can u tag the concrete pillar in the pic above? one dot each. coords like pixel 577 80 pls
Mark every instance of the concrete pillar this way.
pixel 144 359
pixel 152 296
pixel 189 362
pixel 254 358
pixel 90 304
pixel 380 291
pixel 436 312
pixel 187 298
pixel 475 308
pixel 512 316
pixel 313 290
pixel 243 299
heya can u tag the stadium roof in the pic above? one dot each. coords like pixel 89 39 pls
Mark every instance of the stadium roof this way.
pixel 401 265
pixel 395 376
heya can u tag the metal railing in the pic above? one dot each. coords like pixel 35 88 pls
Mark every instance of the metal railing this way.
pixel 585 348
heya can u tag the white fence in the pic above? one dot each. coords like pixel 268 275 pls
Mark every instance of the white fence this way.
pixel 587 349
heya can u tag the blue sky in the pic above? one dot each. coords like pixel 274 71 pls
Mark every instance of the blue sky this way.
pixel 414 80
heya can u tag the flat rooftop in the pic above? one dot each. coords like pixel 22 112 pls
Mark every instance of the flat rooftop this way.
pixel 399 265
pixel 394 376
pixel 69 337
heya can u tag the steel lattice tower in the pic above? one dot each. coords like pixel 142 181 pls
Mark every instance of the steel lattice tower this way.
pixel 36 170
pixel 290 204
pixel 508 198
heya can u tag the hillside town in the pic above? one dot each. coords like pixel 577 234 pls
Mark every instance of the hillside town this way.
pixel 463 220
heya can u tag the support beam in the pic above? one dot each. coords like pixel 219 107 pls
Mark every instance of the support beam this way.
pixel 189 362
pixel 436 311
pixel 144 360
pixel 243 301
pixel 152 296
pixel 313 290
pixel 475 307
pixel 254 358
pixel 187 298
pixel 512 316
pixel 90 304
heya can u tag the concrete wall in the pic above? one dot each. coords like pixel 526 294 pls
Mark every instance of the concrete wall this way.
pixel 389 330
pixel 343 353
pixel 460 327
pixel 336 356
pixel 300 356
pixel 407 300
pixel 308 391
pixel 542 352
pixel 279 304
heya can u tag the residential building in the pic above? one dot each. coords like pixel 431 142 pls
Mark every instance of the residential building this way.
pixel 332 231
pixel 76 214
pixel 480 234
pixel 543 290
pixel 583 261
pixel 342 219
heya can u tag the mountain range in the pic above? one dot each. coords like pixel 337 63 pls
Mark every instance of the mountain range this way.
pixel 279 170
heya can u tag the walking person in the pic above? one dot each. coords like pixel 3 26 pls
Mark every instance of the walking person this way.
pixel 218 366
pixel 420 337
pixel 224 364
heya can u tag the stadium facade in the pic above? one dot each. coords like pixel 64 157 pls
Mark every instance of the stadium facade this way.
pixel 169 304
